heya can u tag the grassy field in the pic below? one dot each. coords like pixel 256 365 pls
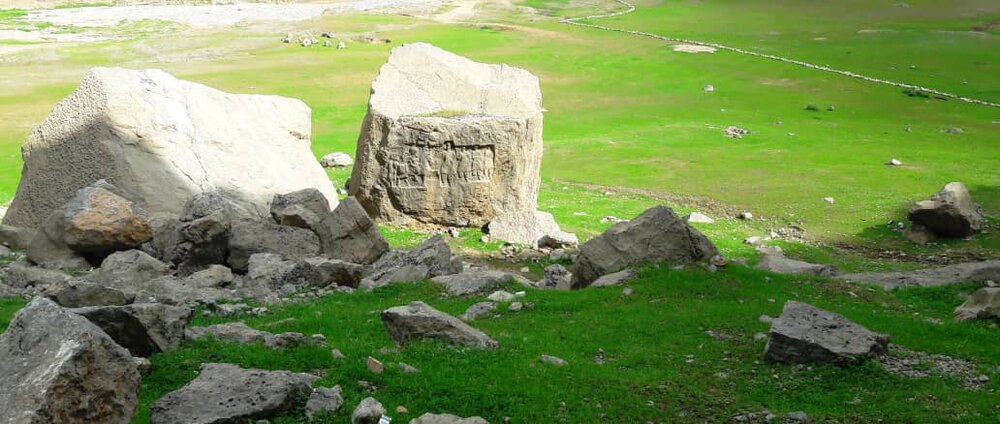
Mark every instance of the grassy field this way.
pixel 628 116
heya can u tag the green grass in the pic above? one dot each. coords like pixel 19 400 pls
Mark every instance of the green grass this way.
pixel 647 340
pixel 8 306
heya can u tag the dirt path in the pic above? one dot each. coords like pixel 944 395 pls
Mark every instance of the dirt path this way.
pixel 629 8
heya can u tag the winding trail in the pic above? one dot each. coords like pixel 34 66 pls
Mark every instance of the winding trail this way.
pixel 631 8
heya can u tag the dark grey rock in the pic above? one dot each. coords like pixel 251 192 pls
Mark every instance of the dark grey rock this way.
pixel 250 237
pixel 930 277
pixel 806 334
pixel 301 208
pixel 124 270
pixel 657 235
pixel 322 272
pixel 949 213
pixel 349 234
pixel 982 304
pixel 556 277
pixel 431 258
pixel 224 393
pixel 419 321
pixel 324 400
pixel 142 328
pixel 57 367
pixel 614 279
pixel 478 281
pixel 22 275
pixel 238 332
pixel 81 294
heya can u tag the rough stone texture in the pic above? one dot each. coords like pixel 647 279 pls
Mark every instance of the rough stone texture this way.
pixel 478 281
pixel 81 294
pixel 125 269
pixel 806 334
pixel 431 258
pixel 22 275
pixel 556 277
pixel 57 367
pixel 214 276
pixel 47 248
pixel 448 141
pixel 301 208
pixel 98 222
pixel 224 393
pixel 238 332
pixel 949 212
pixel 982 304
pixel 349 234
pixel 251 237
pixel 16 237
pixel 368 411
pixel 614 279
pixel 777 262
pixel 430 418
pixel 142 328
pixel 532 228
pixel 420 321
pixel 322 272
pixel 657 235
pixel 930 277
pixel 324 400
pixel 919 234
pixel 161 140
pixel 199 237
pixel 271 271
pixel 336 160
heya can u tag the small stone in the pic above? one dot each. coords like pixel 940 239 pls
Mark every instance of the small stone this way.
pixel 324 400
pixel 700 218
pixel 402 410
pixel 407 368
pixel 894 162
pixel 709 88
pixel 501 296
pixel 829 200
pixel 337 354
pixel 745 216
pixel 369 411
pixel 760 336
pixel 525 270
pixel 627 291
pixel 549 359
pixel 766 319
pixel 798 417
pixel 516 307
pixel 375 366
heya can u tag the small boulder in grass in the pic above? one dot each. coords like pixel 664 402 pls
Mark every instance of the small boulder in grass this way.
pixel 806 334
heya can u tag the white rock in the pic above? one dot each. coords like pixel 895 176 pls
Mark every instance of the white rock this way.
pixel 700 218
pixel 336 160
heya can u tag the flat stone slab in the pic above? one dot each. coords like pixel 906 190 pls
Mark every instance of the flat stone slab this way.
pixel 929 277
pixel 806 334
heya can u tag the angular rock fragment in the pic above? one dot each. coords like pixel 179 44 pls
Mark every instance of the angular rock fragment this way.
pixel 949 213
pixel 429 418
pixel 478 281
pixel 982 304
pixel 238 332
pixel 419 321
pixel 806 334
pixel 142 328
pixel 301 208
pixel 349 235
pixel 249 237
pixel 777 262
pixel 80 294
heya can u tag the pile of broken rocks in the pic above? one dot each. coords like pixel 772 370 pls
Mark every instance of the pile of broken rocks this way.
pixel 112 285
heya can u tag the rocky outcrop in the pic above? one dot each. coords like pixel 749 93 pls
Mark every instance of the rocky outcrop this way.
pixel 448 141
pixel 349 234
pixel 57 367
pixel 930 277
pixel 224 393
pixel 777 262
pixel 161 140
pixel 982 304
pixel 657 235
pixel 806 334
pixel 949 213
pixel 478 281
pixel 142 328
pixel 418 321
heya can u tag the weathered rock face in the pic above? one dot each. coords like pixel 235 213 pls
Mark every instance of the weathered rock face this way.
pixel 225 393
pixel 982 304
pixel 420 321
pixel 142 328
pixel 349 234
pixel 57 367
pixel 657 235
pixel 949 212
pixel 301 208
pixel 251 237
pixel 806 334
pixel 98 222
pixel 161 140
pixel 448 141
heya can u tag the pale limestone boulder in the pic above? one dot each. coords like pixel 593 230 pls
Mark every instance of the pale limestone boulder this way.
pixel 448 141
pixel 161 140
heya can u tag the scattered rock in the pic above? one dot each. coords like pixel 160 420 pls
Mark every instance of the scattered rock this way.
pixel 806 334
pixel 22 275
pixel 549 359
pixel 919 234
pixel 479 310
pixel 699 218
pixel 501 296
pixel 126 270
pixel 431 258
pixel 215 276
pixel 420 321
pixel 949 212
pixel 142 328
pixel 657 235
pixel 478 281
pixel 437 129
pixel 930 277
pixel 110 125
pixel 349 235
pixel 515 307
pixel 341 45
pixel 777 262
pixel 324 400
pixel 16 237
pixel 322 272
pixel 533 229
pixel 251 237
pixel 302 208
pixel 953 130
pixel 238 332
pixel 982 304
pixel 556 277
pixel 736 132
pixel 225 393
pixel 894 162
pixel 57 367
pixel 614 279
pixel 369 411
pixel 407 368
pixel 709 88
pixel 829 200
pixel 429 418
pixel 745 216
pixel 80 294
pixel 336 160
pixel 611 219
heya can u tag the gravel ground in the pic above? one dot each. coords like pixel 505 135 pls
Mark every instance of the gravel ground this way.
pixel 224 15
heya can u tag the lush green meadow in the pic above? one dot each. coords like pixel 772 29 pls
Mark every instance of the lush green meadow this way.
pixel 628 126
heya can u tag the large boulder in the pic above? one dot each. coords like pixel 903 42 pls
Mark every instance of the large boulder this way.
pixel 161 140
pixel 349 234
pixel 57 367
pixel 142 328
pixel 224 393
pixel 251 237
pixel 448 141
pixel 806 334
pixel 80 294
pixel 657 235
pixel 949 213
pixel 420 321
pixel 982 304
